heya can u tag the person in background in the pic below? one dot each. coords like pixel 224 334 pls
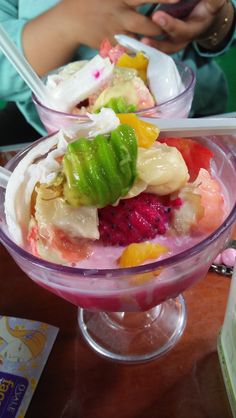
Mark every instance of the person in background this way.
pixel 52 33
pixel 206 33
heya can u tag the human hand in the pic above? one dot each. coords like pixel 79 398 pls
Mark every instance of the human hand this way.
pixel 51 39
pixel 207 17
pixel 90 21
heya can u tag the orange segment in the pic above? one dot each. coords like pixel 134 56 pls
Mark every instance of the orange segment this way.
pixel 146 132
pixel 139 62
pixel 137 254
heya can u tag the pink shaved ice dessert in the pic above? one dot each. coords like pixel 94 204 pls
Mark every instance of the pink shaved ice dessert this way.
pixel 116 78
pixel 87 199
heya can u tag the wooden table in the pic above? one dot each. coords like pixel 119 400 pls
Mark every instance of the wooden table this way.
pixel 77 383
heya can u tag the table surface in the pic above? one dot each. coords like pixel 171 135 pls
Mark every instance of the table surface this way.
pixel 77 383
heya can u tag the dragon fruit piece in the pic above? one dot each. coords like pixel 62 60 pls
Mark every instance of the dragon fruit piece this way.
pixel 133 220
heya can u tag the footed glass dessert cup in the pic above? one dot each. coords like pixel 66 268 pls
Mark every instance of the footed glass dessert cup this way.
pixel 177 107
pixel 133 314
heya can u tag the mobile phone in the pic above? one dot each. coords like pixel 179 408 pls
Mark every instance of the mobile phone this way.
pixel 178 10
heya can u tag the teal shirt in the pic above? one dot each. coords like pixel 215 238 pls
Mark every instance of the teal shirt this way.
pixel 211 87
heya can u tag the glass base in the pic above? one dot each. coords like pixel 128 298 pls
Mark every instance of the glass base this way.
pixel 134 337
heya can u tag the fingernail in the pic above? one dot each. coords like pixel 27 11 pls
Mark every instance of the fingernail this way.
pixel 161 21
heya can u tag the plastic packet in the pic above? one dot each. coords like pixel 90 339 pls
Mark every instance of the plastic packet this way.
pixel 24 349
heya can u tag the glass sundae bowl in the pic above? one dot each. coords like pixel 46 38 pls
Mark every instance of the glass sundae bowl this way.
pixel 176 107
pixel 138 313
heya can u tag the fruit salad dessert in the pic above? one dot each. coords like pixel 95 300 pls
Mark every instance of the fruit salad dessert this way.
pixel 113 196
pixel 115 78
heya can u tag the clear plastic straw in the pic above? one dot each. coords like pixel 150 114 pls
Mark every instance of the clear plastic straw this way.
pixel 24 69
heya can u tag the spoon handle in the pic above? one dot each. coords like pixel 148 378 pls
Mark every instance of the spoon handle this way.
pixel 22 66
pixel 195 127
pixel 4 177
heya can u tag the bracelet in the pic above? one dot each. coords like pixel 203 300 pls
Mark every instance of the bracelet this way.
pixel 218 36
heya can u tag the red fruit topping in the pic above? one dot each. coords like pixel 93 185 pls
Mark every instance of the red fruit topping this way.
pixel 113 52
pixel 195 155
pixel 105 48
pixel 176 203
pixel 133 220
pixel 58 244
pixel 32 239
pixel 71 249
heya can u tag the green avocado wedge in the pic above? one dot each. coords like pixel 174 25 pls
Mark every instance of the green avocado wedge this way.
pixel 100 170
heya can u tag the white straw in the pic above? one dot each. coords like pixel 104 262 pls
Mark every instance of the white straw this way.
pixel 23 67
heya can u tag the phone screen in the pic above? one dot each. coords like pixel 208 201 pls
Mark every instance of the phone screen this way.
pixel 178 10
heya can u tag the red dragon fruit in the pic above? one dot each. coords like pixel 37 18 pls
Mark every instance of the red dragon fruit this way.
pixel 133 220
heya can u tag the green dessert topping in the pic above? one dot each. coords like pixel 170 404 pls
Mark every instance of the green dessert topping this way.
pixel 101 170
pixel 119 105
